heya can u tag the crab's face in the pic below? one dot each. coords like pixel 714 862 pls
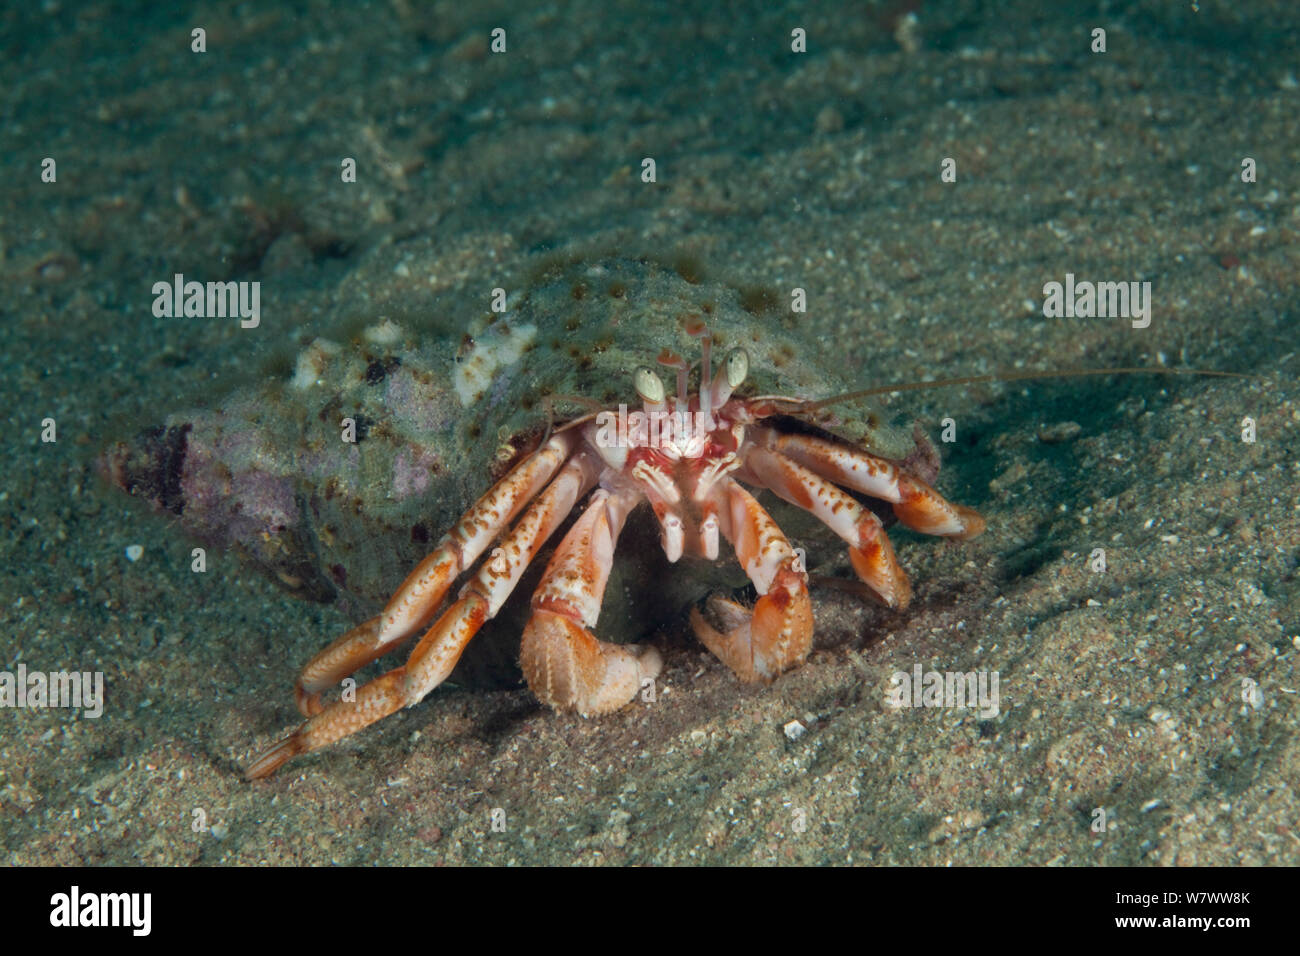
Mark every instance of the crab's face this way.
pixel 674 452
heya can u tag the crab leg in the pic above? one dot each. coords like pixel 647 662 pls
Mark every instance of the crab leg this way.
pixel 438 651
pixel 347 655
pixel 564 663
pixel 777 635
pixel 869 548
pixel 418 598
pixel 917 505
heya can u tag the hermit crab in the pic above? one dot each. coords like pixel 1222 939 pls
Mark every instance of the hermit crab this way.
pixel 339 477
pixel 690 459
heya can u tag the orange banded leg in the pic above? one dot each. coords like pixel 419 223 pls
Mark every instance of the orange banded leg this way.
pixel 565 665
pixel 923 509
pixel 438 651
pixel 417 599
pixel 917 505
pixel 869 549
pixel 347 655
pixel 777 634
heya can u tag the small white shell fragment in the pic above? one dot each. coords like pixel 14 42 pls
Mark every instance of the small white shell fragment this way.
pixel 794 730
pixel 312 363
pixel 386 332
pixel 134 552
pixel 493 350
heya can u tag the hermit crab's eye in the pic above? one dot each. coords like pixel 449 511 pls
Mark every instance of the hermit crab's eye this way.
pixel 736 367
pixel 648 386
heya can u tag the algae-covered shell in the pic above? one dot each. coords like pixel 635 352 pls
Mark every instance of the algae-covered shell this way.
pixel 339 477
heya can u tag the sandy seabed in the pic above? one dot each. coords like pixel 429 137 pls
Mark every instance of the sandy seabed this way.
pixel 1160 691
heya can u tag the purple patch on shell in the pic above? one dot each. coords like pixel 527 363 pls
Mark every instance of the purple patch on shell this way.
pixel 411 472
pixel 231 506
pixel 416 407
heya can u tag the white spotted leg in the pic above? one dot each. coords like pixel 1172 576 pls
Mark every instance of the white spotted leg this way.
pixel 869 549
pixel 416 601
pixel 805 469
pixel 438 651
pixel 777 634
pixel 917 505
pixel 566 666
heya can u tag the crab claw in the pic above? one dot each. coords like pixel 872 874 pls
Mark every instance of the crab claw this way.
pixel 569 669
pixel 878 568
pixel 759 645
